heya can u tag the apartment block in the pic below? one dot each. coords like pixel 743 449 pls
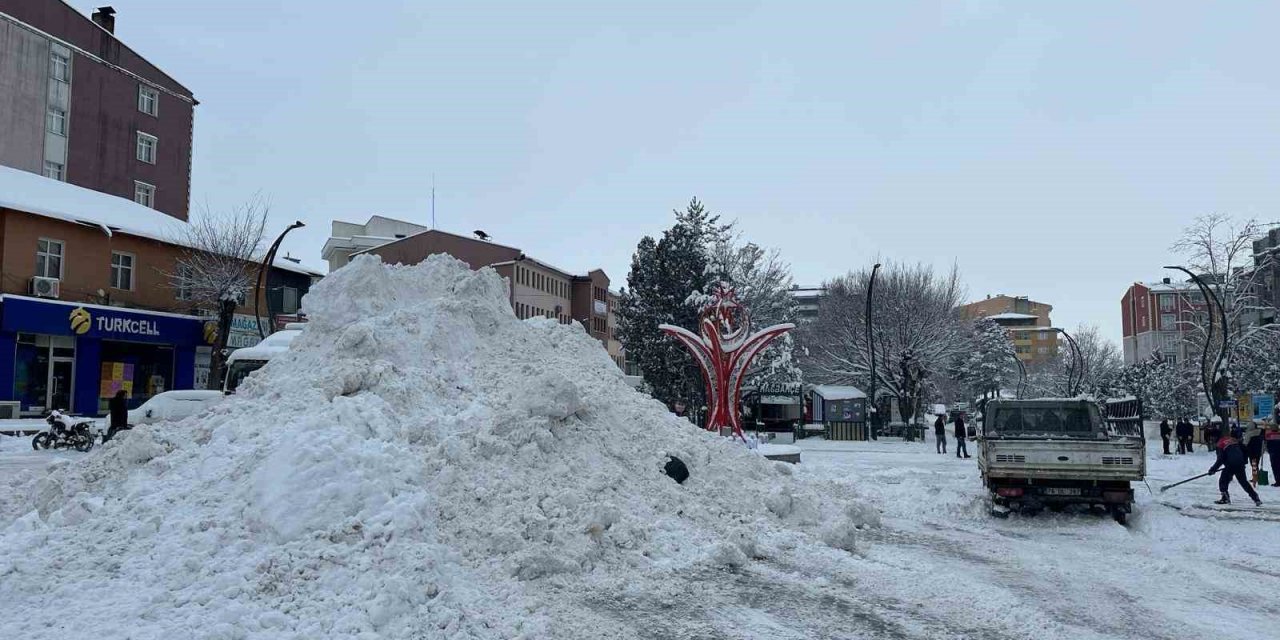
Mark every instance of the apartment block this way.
pixel 1027 321
pixel 79 106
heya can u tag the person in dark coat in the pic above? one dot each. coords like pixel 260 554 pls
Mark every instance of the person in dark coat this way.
pixel 961 436
pixel 1231 459
pixel 1272 438
pixel 118 409
pixel 1253 449
pixel 1183 433
pixel 940 433
pixel 1165 432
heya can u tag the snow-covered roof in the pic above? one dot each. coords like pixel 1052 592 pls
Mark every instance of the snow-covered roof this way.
pixel 1013 316
pixel 38 195
pixel 1171 286
pixel 837 392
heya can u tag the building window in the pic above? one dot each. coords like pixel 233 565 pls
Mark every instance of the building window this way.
pixel 59 67
pixel 49 258
pixel 148 100
pixel 55 121
pixel 121 271
pixel 144 194
pixel 54 170
pixel 290 300
pixel 183 283
pixel 1167 302
pixel 147 147
pixel 1168 321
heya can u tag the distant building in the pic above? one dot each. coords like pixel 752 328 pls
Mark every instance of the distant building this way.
pixel 1157 317
pixel 350 237
pixel 1027 321
pixel 537 287
pixel 808 301
pixel 1266 255
pixel 79 106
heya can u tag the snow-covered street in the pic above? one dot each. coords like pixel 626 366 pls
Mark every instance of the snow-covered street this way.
pixel 1166 575
pixel 941 566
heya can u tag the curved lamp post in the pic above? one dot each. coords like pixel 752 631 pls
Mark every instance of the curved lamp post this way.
pixel 262 272
pixel 873 416
pixel 1214 392
pixel 1076 375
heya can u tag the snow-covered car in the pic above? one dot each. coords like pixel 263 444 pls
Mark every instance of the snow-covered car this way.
pixel 173 405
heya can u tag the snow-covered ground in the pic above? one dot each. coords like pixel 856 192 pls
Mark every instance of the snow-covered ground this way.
pixel 423 464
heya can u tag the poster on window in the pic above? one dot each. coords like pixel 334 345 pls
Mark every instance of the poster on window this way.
pixel 116 376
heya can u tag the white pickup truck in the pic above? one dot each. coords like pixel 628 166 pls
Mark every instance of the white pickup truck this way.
pixel 1051 453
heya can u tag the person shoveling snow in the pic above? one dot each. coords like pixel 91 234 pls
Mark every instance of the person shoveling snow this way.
pixel 1231 459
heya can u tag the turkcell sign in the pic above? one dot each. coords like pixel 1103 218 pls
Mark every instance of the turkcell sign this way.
pixel 128 325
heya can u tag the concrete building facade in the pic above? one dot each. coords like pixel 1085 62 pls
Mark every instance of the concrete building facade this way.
pixel 1028 323
pixel 79 106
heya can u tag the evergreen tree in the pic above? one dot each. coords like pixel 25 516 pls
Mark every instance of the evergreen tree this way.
pixel 989 364
pixel 661 288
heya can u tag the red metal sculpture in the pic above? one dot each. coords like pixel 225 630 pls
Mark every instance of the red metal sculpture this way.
pixel 723 352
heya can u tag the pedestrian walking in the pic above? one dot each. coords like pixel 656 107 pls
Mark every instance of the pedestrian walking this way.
pixel 940 433
pixel 961 436
pixel 1272 438
pixel 118 410
pixel 1231 457
pixel 1165 432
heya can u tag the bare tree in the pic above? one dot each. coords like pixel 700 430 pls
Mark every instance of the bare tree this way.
pixel 216 269
pixel 1101 373
pixel 917 331
pixel 1219 249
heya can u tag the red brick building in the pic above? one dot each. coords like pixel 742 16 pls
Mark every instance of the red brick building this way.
pixel 1156 318
pixel 80 106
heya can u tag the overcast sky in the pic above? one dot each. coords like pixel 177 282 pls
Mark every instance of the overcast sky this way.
pixel 1052 150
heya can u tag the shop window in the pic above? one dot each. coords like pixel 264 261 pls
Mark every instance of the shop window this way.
pixel 122 271
pixel 49 258
pixel 290 300
pixel 140 370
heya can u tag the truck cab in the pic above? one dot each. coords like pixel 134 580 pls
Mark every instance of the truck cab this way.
pixel 1051 453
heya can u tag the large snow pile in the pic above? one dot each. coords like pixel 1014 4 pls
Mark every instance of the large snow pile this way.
pixel 420 464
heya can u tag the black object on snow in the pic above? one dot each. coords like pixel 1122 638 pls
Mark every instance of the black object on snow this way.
pixel 676 469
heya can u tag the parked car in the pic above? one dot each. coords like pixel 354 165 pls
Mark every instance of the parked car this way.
pixel 173 405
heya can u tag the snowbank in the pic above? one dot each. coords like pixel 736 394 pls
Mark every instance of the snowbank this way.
pixel 419 464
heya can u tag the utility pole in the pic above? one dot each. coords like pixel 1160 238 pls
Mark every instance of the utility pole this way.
pixel 873 415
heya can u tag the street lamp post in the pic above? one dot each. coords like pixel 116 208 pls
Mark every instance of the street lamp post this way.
pixel 1076 375
pixel 1213 380
pixel 874 414
pixel 267 261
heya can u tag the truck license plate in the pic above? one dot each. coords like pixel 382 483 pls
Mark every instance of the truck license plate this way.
pixel 1058 491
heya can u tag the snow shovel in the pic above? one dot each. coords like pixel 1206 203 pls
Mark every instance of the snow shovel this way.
pixel 1170 486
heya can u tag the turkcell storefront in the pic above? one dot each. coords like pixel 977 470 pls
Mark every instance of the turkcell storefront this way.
pixel 76 356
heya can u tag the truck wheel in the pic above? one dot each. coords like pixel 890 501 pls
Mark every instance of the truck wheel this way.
pixel 1120 515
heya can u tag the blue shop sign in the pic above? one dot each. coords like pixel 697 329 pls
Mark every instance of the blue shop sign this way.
pixel 31 315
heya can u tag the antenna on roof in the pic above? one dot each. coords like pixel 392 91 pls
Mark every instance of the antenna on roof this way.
pixel 433 200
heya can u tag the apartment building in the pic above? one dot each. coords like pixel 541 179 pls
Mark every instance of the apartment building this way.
pixel 1027 321
pixel 79 106
pixel 1157 317
pixel 537 287
pixel 91 300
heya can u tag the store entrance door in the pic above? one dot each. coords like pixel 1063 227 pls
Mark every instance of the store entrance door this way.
pixel 60 376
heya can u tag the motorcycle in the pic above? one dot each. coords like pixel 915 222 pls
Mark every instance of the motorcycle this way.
pixel 65 432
